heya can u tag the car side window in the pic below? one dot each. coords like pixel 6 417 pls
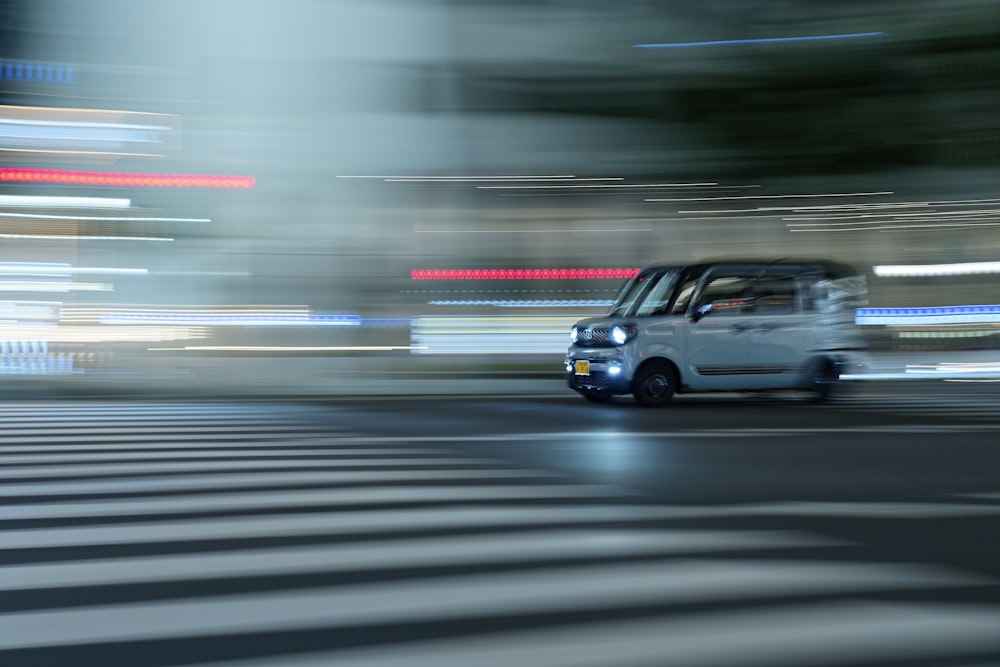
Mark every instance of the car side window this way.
pixel 684 296
pixel 728 295
pixel 775 295
pixel 655 300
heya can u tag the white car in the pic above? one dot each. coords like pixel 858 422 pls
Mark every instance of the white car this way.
pixel 722 326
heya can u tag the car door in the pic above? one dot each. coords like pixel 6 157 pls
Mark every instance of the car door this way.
pixel 779 330
pixel 717 332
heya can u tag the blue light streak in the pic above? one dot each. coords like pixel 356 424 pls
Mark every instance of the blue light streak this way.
pixel 935 315
pixel 14 70
pixel 760 40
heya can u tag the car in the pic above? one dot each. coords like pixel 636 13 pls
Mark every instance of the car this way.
pixel 722 325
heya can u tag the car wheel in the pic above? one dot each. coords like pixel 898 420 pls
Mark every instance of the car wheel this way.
pixel 825 380
pixel 654 384
pixel 598 396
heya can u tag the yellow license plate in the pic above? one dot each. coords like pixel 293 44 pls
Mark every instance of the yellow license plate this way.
pixel 582 368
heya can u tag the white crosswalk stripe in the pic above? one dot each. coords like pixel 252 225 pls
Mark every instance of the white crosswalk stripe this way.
pixel 126 529
pixel 848 633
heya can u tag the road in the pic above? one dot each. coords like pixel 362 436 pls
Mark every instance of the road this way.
pixel 499 530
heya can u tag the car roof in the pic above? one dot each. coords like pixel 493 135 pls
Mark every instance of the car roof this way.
pixel 829 268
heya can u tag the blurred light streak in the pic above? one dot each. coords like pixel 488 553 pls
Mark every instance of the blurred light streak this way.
pixel 64 202
pixel 86 131
pixel 522 274
pixel 976 333
pixel 95 313
pixel 712 212
pixel 80 237
pixel 529 303
pixel 847 207
pixel 65 270
pixel 22 70
pixel 123 179
pixel 572 186
pixel 21 310
pixel 108 270
pixel 713 218
pixel 471 178
pixel 231 319
pixel 98 218
pixel 961 269
pixel 886 219
pixel 15 128
pixel 797 196
pixel 954 367
pixel 758 40
pixel 52 286
pixel 614 230
pixel 215 316
pixel 201 273
pixel 611 290
pixel 883 227
pixel 35 269
pixel 932 315
pixel 921 215
pixel 972 380
pixel 98 334
pixel 289 348
pixel 492 335
pixel 502 180
pixel 833 208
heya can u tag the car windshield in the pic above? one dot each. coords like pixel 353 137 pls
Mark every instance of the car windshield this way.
pixel 648 291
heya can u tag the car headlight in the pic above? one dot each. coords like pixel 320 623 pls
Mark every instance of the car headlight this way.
pixel 573 334
pixel 623 333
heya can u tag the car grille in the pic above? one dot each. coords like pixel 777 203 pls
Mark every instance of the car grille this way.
pixel 596 380
pixel 594 337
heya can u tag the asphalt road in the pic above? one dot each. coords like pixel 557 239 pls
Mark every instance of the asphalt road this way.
pixel 539 530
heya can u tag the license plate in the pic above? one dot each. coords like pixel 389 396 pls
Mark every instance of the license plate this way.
pixel 582 368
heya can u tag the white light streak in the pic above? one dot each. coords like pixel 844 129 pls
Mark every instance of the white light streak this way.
pixel 53 286
pixel 532 231
pixel 201 273
pixel 229 319
pixel 98 334
pixel 64 202
pixel 528 303
pixel 920 216
pixel 570 186
pixel 468 177
pixel 62 270
pixel 77 237
pixel 108 270
pixel 850 207
pixel 953 368
pixel 744 197
pixel 291 348
pixel 527 179
pixel 893 228
pixel 494 335
pixel 964 268
pixel 102 218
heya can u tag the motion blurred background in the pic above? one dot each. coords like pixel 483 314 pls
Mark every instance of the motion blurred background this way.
pixel 334 195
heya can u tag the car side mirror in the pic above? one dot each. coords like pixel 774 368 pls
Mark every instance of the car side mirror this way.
pixel 701 311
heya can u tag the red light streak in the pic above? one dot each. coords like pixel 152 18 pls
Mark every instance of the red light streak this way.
pixel 122 179
pixel 522 274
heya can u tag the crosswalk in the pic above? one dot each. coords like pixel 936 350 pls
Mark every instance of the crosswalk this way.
pixel 255 534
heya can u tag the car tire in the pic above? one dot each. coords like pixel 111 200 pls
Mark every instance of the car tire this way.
pixel 654 384
pixel 824 380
